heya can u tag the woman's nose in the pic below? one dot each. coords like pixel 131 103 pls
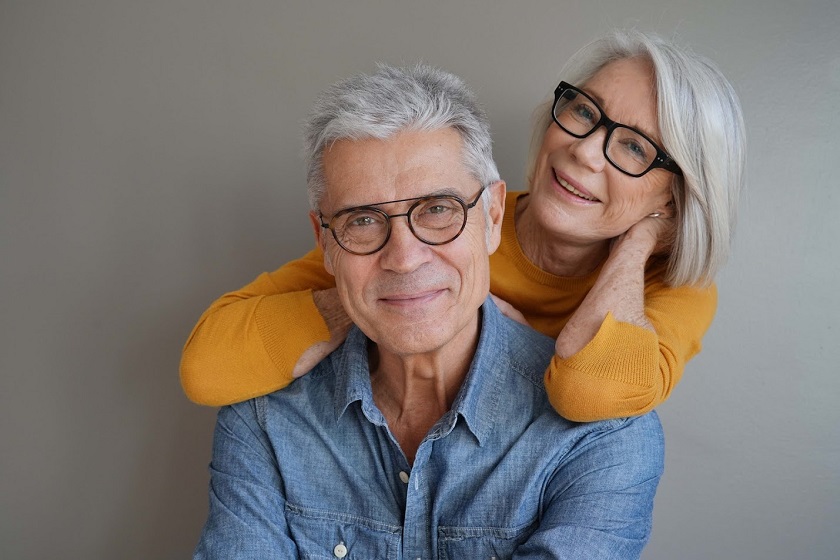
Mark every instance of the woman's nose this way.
pixel 589 151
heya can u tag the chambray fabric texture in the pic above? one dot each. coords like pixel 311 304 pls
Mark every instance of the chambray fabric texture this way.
pixel 313 472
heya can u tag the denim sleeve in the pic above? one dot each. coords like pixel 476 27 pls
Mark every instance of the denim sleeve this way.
pixel 246 517
pixel 599 503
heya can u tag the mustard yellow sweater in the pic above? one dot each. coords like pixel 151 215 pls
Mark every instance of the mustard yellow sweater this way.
pixel 247 343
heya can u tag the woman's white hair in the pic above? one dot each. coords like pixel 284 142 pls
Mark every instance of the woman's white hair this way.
pixel 702 129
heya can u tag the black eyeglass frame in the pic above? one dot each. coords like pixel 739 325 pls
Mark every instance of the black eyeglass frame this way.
pixel 662 159
pixel 418 201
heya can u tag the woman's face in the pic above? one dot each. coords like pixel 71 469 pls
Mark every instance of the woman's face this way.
pixel 575 191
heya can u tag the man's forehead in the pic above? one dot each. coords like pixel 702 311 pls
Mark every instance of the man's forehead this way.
pixel 407 165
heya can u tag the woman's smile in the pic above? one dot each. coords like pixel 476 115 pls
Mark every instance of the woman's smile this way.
pixel 578 192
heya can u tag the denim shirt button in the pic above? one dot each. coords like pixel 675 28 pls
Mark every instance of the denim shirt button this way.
pixel 340 550
pixel 404 477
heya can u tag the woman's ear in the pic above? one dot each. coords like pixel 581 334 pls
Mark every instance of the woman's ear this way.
pixel 666 211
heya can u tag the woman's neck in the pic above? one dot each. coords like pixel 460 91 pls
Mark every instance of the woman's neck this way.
pixel 553 252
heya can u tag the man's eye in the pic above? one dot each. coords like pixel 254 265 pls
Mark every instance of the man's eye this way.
pixel 438 209
pixel 361 221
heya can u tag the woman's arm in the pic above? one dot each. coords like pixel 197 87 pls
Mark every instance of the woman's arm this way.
pixel 619 288
pixel 624 349
pixel 256 340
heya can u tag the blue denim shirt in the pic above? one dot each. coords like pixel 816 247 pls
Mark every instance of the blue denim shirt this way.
pixel 313 471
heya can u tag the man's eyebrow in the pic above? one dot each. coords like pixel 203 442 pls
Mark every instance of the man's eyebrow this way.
pixel 444 191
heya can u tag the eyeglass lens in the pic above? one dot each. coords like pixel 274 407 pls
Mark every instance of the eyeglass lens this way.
pixel 435 220
pixel 628 150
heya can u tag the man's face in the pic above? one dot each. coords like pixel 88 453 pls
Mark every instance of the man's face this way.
pixel 410 297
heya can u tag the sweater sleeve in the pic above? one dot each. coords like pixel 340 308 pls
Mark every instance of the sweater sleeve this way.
pixel 247 342
pixel 628 370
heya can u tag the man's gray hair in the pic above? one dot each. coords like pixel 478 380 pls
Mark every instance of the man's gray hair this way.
pixel 391 100
pixel 702 128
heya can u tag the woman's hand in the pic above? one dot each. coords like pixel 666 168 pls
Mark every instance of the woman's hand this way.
pixel 652 235
pixel 338 323
pixel 509 311
pixel 620 286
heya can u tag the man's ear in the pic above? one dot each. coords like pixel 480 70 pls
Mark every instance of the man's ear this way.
pixel 321 239
pixel 496 213
pixel 315 219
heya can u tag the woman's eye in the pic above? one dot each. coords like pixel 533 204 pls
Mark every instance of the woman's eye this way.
pixel 635 148
pixel 585 112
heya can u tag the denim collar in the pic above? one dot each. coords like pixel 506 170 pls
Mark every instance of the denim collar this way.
pixel 477 401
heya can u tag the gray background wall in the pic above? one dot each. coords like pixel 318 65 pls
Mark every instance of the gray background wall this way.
pixel 149 161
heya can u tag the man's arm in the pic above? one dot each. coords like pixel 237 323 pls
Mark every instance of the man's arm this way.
pixel 599 504
pixel 247 518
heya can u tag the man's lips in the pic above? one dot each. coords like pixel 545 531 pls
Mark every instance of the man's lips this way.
pixel 413 298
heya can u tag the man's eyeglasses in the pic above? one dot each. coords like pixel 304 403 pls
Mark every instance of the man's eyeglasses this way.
pixel 434 220
pixel 627 149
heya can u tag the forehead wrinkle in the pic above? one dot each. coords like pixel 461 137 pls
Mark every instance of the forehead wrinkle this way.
pixel 407 166
pixel 643 129
pixel 446 191
pixel 610 111
pixel 345 179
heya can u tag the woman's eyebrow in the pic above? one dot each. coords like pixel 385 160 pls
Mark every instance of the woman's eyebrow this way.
pixel 600 101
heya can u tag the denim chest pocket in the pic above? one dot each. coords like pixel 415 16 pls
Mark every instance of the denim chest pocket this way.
pixel 481 543
pixel 326 535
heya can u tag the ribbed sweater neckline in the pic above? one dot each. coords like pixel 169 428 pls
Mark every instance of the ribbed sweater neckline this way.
pixel 511 247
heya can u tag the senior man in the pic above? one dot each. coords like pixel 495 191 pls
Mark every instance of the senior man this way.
pixel 428 433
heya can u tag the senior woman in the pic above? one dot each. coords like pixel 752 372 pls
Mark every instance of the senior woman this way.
pixel 634 175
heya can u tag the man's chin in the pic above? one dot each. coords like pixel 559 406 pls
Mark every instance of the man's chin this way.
pixel 427 336
pixel 410 346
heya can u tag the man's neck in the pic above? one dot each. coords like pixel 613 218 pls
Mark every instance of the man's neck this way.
pixel 413 392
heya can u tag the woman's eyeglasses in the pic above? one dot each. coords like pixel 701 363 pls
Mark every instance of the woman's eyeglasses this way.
pixel 627 149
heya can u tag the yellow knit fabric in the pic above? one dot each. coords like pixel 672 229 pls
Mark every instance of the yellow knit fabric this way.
pixel 247 343
pixel 625 370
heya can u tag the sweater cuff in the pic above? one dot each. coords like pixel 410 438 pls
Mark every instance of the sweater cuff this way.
pixel 289 324
pixel 619 352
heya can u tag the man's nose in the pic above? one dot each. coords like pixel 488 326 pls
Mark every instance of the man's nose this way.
pixel 404 252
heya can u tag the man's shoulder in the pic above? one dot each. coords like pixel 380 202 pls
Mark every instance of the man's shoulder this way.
pixel 528 351
pixel 638 442
pixel 312 393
